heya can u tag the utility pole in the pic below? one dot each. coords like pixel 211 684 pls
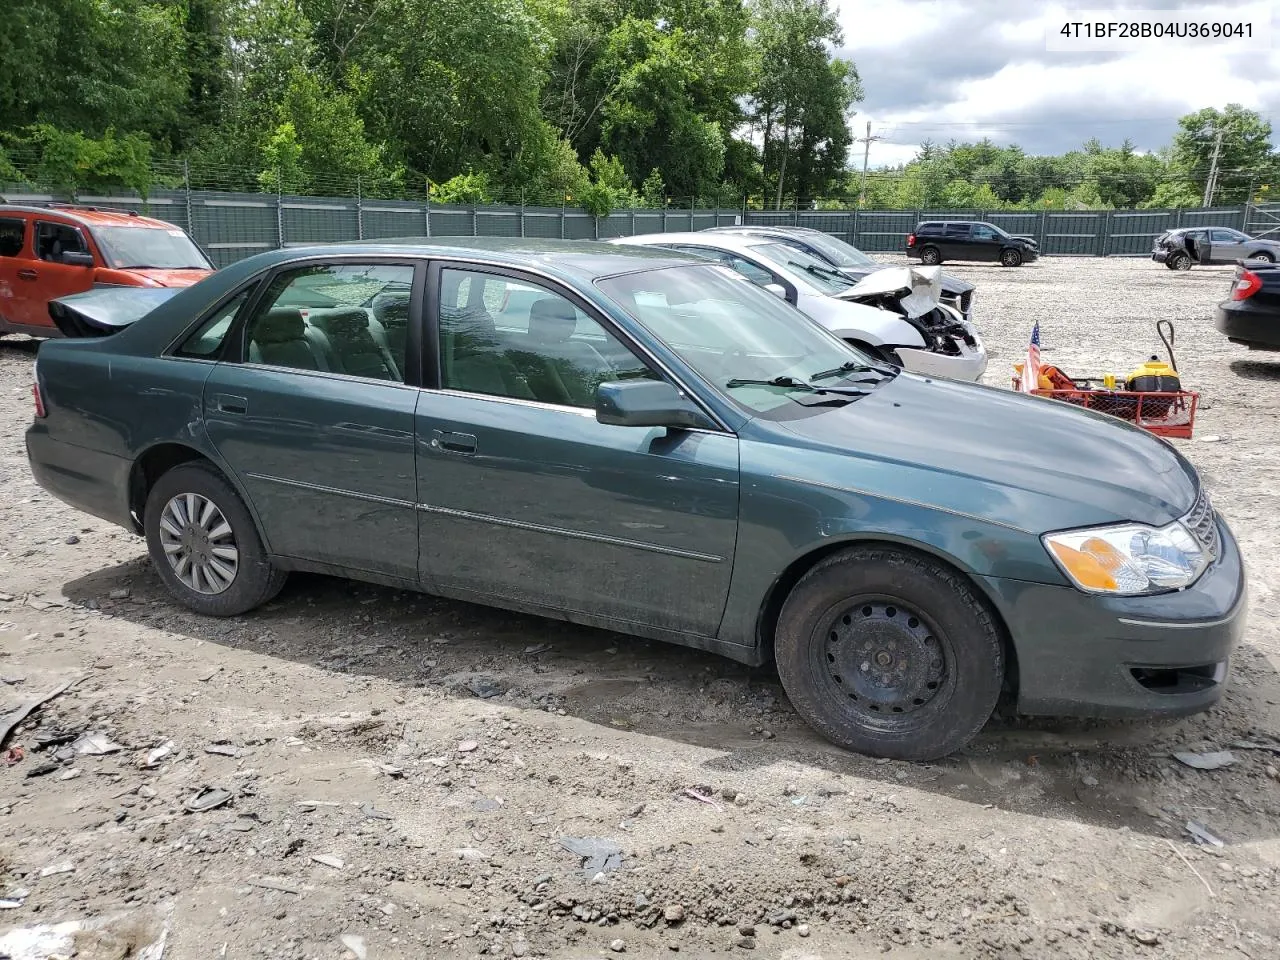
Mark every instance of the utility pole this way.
pixel 1212 183
pixel 866 156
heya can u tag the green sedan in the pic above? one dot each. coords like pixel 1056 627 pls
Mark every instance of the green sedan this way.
pixel 648 443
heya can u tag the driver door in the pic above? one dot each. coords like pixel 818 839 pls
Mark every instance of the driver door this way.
pixel 526 499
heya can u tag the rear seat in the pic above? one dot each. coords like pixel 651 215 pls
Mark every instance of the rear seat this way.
pixel 280 338
pixel 391 313
pixel 352 338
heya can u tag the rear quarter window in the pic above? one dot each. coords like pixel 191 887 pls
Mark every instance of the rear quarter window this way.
pixel 13 231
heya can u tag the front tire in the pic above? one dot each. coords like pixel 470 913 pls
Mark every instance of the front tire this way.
pixel 1265 255
pixel 204 543
pixel 889 653
pixel 1011 258
pixel 931 256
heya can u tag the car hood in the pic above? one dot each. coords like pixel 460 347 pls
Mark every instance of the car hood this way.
pixel 169 278
pixel 1028 462
pixel 916 289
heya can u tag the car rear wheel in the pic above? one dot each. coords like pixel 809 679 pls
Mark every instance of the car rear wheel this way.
pixel 1011 258
pixel 1180 261
pixel 889 653
pixel 204 544
pixel 931 256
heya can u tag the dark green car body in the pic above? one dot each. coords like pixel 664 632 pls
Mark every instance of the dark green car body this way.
pixel 694 535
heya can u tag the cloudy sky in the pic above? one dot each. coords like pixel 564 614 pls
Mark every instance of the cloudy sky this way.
pixel 965 69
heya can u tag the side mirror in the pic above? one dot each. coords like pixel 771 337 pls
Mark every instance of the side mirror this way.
pixel 75 259
pixel 777 289
pixel 646 403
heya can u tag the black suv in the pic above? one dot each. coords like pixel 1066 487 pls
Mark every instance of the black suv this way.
pixel 937 240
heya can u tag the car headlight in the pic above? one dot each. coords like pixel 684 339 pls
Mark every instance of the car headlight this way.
pixel 1128 559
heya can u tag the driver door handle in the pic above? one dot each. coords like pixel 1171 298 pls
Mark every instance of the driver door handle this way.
pixel 27 274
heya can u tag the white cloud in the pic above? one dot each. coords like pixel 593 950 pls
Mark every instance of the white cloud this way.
pixel 973 68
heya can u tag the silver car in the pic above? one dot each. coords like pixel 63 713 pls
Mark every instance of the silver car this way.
pixel 894 315
pixel 1179 249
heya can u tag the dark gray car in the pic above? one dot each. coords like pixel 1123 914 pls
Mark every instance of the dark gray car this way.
pixel 1179 249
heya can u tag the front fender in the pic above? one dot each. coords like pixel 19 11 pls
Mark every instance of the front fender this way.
pixel 855 321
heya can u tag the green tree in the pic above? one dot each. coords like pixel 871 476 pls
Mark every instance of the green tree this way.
pixel 802 96
pixel 1245 153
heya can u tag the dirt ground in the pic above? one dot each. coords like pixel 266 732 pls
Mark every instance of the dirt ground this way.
pixel 401 769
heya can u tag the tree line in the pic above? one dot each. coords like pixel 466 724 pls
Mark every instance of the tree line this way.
pixel 601 104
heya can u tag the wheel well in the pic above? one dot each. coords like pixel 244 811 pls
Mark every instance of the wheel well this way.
pixel 150 467
pixel 771 609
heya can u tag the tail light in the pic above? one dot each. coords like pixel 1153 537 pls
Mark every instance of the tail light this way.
pixel 911 239
pixel 1247 284
pixel 41 413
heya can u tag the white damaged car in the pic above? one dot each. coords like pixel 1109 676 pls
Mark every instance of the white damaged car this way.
pixel 895 314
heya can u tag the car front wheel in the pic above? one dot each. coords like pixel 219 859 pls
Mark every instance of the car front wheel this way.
pixel 204 544
pixel 1011 258
pixel 889 653
pixel 1265 255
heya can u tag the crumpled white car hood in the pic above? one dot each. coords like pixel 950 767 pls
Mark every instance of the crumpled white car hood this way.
pixel 917 289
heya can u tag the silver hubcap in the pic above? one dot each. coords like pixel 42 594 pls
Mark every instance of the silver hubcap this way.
pixel 199 543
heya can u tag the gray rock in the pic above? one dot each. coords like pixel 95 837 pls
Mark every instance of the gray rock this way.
pixel 618 946
pixel 673 913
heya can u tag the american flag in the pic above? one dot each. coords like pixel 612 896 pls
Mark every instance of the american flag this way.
pixel 1031 369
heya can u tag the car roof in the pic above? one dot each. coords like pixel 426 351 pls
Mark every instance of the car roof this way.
pixel 785 230
pixel 89 216
pixel 708 238
pixel 579 259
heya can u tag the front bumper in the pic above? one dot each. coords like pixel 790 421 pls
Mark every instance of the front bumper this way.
pixel 1092 656
pixel 1245 324
pixel 969 364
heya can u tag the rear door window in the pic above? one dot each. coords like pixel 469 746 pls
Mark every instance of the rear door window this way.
pixel 13 231
pixel 957 230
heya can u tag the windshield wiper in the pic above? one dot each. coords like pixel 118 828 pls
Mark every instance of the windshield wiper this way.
pixel 853 366
pixel 791 383
pixel 827 274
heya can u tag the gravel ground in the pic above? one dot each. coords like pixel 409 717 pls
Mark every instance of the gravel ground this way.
pixel 400 769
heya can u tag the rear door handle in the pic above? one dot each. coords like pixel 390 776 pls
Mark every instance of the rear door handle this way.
pixel 26 274
pixel 229 404
pixel 450 442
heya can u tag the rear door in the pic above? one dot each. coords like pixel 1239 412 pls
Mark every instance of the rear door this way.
pixel 955 242
pixel 45 277
pixel 313 409
pixel 13 262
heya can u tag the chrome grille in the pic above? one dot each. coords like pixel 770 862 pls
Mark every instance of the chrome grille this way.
pixel 1202 523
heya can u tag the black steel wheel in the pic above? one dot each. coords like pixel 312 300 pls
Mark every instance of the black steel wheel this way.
pixel 890 653
pixel 931 256
pixel 1011 258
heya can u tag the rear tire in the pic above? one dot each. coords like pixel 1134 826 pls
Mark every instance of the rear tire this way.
pixel 889 653
pixel 930 256
pixel 1180 261
pixel 204 543
pixel 1010 258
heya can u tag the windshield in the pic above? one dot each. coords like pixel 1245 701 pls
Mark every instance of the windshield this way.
pixel 140 248
pixel 838 252
pixel 800 265
pixel 730 331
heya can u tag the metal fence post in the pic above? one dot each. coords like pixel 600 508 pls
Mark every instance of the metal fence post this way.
pixel 633 222
pixel 1044 229
pixel 359 209
pixel 522 211
pixel 279 209
pixel 186 189
pixel 475 221
pixel 562 212
pixel 427 211
pixel 853 228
